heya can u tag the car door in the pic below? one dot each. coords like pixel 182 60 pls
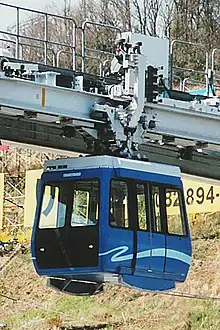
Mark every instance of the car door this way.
pixel 157 237
pixel 178 242
pixel 117 252
pixel 67 234
pixel 144 248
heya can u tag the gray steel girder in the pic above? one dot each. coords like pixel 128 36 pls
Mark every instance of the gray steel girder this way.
pixel 51 136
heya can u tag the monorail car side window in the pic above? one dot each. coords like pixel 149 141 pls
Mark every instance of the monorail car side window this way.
pixel 142 207
pixel 85 208
pixel 174 210
pixel 118 213
pixel 53 211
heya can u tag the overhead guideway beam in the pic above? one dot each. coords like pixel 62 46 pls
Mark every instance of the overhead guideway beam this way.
pixel 186 120
pixel 49 100
pixel 50 136
pixel 191 122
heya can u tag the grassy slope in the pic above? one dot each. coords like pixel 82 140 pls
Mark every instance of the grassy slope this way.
pixel 38 307
pixel 119 308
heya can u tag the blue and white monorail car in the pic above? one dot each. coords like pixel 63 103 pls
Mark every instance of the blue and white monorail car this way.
pixel 107 219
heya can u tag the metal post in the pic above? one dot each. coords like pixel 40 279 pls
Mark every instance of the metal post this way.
pixel 45 37
pixel 206 74
pixel 17 35
pixel 171 63
pixel 171 70
pixel 54 59
pixel 74 46
pixel 58 58
pixel 184 84
pixel 213 61
pixel 83 47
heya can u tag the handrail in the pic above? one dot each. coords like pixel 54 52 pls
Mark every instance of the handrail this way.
pixel 196 82
pixel 188 70
pixel 36 39
pixel 47 45
pixel 6 40
pixel 45 39
pixel 85 23
pixel 175 41
pixel 36 11
pixel 62 51
pixel 32 46
pixel 66 52
pixel 213 58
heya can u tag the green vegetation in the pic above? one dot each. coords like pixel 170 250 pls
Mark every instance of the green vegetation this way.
pixel 206 316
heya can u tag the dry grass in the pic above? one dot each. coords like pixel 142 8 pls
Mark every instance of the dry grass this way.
pixel 118 308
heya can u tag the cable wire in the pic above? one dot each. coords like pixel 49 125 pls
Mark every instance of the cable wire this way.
pixel 191 296
pixel 11 298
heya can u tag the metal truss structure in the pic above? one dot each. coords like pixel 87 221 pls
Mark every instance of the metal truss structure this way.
pixel 14 162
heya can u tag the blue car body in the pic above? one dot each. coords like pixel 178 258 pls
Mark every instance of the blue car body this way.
pixel 143 256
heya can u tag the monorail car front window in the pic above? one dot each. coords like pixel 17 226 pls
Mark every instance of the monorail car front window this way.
pixel 85 207
pixel 174 211
pixel 53 210
pixel 168 215
pixel 76 203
